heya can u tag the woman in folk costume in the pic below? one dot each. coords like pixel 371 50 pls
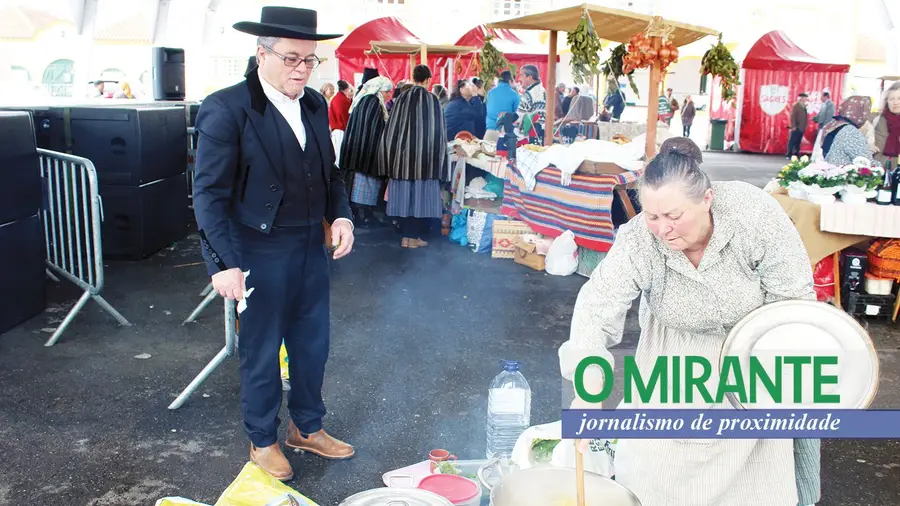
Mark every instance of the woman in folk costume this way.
pixel 413 154
pixel 842 139
pixel 359 151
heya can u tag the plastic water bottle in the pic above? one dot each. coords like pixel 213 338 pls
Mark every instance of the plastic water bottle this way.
pixel 509 410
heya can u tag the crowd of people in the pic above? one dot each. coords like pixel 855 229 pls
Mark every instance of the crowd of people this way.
pixel 391 138
pixel 849 130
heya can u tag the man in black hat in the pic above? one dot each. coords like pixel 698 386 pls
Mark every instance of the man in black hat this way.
pixel 266 178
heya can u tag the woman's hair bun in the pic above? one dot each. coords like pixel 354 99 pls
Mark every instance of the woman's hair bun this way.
pixel 682 146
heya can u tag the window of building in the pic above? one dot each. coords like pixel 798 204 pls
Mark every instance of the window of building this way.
pixel 515 8
pixel 59 78
pixel 703 83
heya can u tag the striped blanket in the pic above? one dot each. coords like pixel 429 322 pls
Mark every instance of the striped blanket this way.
pixel 584 207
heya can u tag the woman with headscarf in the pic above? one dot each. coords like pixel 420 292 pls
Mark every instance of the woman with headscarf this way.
pixel 696 245
pixel 359 149
pixel 887 126
pixel 413 155
pixel 842 140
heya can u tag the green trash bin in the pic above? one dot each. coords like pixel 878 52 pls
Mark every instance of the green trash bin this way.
pixel 717 134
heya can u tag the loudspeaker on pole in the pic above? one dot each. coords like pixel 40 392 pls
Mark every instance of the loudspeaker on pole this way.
pixel 168 73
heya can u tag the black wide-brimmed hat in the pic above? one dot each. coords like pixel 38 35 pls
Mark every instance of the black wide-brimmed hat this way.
pixel 287 22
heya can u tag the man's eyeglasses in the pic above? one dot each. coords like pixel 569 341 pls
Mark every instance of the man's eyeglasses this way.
pixel 295 61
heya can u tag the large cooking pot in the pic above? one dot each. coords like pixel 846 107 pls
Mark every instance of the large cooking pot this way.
pixel 554 486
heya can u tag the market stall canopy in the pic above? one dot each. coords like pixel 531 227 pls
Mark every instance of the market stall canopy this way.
pixel 384 47
pixel 610 24
pixel 511 45
pixel 357 43
pixel 354 52
pixel 507 42
pixel 775 51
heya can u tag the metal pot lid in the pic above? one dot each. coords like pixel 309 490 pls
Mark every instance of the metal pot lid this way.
pixel 809 329
pixel 394 496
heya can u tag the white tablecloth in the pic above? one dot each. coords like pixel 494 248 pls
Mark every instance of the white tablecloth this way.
pixel 861 219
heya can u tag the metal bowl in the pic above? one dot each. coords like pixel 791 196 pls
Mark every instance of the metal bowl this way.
pixel 806 328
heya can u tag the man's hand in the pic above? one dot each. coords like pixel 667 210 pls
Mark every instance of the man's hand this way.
pixel 342 238
pixel 229 283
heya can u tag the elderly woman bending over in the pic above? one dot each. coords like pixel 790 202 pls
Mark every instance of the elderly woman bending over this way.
pixel 701 256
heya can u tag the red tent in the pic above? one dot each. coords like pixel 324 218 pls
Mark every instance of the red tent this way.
pixel 352 52
pixel 515 50
pixel 775 71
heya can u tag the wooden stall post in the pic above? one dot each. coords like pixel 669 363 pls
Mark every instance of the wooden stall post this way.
pixel 653 107
pixel 412 65
pixel 424 57
pixel 550 88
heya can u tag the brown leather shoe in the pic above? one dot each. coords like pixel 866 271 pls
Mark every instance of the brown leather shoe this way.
pixel 272 461
pixel 319 443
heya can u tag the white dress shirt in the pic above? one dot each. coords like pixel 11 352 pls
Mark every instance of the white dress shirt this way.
pixel 292 112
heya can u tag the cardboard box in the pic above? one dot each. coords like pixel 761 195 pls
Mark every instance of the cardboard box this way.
pixel 526 254
pixel 591 167
pixel 504 231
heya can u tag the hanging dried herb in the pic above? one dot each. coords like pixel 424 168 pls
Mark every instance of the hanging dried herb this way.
pixel 585 47
pixel 614 68
pixel 719 63
pixel 493 63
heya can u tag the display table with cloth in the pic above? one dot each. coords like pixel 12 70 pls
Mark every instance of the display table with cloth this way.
pixel 830 228
pixel 806 217
pixel 583 206
pixel 871 220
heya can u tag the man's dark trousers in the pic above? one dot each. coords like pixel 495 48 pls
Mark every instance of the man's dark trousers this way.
pixel 794 142
pixel 289 273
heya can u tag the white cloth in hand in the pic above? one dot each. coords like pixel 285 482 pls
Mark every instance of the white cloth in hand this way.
pixel 242 305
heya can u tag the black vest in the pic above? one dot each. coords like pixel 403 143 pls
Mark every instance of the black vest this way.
pixel 304 198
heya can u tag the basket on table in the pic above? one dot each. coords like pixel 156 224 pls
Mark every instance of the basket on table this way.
pixel 884 258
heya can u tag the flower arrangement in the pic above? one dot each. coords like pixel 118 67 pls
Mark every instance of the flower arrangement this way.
pixel 824 175
pixel 790 173
pixel 863 177
pixel 864 174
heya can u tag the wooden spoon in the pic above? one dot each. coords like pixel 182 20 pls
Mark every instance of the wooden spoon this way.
pixel 579 478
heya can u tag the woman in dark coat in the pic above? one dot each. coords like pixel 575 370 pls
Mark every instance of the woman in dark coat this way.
pixel 359 150
pixel 463 113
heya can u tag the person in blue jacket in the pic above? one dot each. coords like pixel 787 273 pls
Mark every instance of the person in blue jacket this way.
pixel 463 111
pixel 503 98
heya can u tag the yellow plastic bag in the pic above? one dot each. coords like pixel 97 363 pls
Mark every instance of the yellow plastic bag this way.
pixel 177 501
pixel 255 487
pixel 283 361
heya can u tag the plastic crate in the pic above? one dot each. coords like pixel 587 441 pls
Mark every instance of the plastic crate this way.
pixel 874 307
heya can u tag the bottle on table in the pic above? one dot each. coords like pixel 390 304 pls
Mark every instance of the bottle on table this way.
pixel 509 410
pixel 895 178
pixel 885 193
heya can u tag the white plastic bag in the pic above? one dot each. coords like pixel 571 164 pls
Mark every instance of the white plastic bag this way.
pixel 562 257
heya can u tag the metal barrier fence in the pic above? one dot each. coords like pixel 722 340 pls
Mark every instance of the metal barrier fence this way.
pixel 191 162
pixel 72 213
pixel 231 344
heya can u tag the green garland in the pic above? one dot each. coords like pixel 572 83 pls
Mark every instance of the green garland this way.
pixel 719 63
pixel 493 63
pixel 585 47
pixel 613 69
